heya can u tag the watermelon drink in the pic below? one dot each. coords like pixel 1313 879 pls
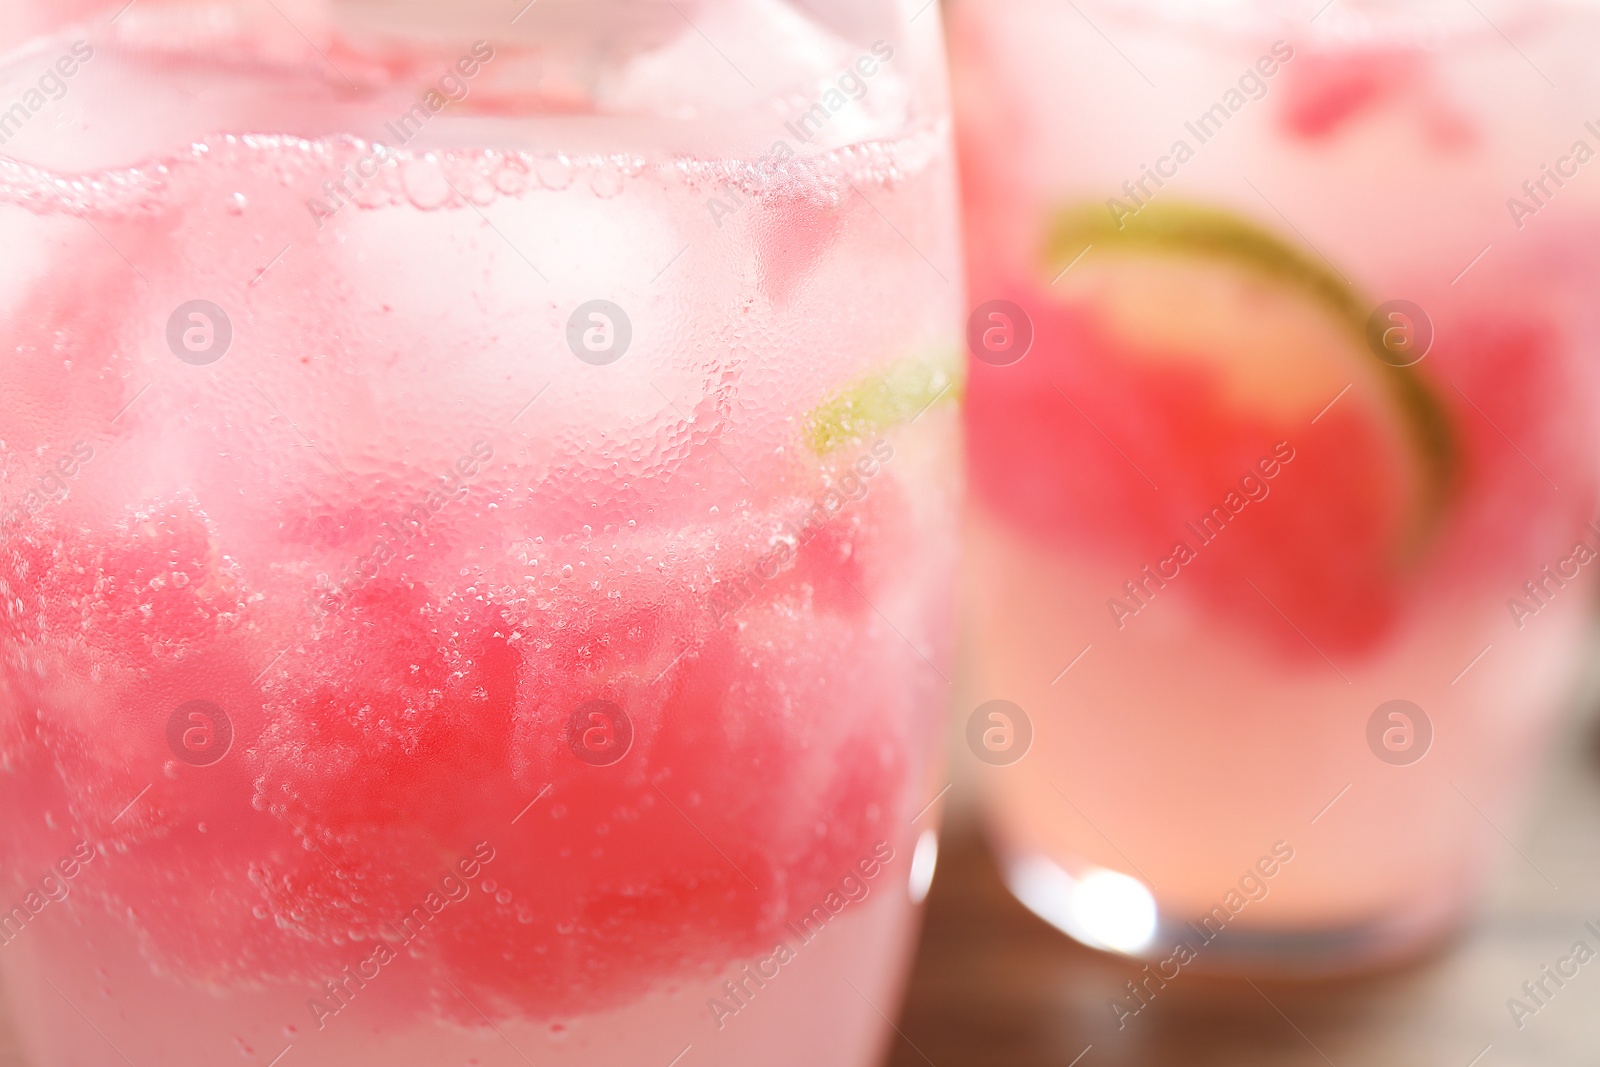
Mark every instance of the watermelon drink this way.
pixel 1281 437
pixel 479 506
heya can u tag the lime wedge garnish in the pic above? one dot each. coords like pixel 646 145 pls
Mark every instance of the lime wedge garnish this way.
pixel 1278 325
pixel 883 400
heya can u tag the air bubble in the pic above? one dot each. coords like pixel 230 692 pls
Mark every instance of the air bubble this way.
pixel 555 173
pixel 606 182
pixel 425 184
pixel 511 177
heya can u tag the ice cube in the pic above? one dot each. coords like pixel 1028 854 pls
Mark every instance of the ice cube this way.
pixel 767 57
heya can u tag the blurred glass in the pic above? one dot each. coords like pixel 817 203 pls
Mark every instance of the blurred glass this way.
pixel 478 517
pixel 1282 439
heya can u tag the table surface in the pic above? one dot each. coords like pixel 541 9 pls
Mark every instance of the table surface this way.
pixel 994 985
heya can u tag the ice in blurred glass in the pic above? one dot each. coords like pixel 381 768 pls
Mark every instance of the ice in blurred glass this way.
pixel 1282 450
pixel 478 495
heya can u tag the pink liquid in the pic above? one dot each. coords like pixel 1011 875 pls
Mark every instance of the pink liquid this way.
pixel 400 539
pixel 1218 717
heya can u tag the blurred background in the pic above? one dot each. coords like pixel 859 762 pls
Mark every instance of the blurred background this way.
pixel 1194 230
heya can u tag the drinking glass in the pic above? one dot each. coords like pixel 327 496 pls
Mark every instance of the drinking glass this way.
pixel 478 493
pixel 1282 456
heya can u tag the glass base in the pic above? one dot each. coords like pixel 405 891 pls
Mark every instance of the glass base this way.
pixel 1115 912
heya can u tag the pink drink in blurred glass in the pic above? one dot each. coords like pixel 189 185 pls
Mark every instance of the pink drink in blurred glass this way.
pixel 1279 527
pixel 476 504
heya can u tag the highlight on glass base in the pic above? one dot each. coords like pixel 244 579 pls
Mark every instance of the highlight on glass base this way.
pixel 1117 913
pixel 478 516
pixel 1281 428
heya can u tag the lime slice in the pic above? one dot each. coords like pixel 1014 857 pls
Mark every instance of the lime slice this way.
pixel 883 400
pixel 1279 328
